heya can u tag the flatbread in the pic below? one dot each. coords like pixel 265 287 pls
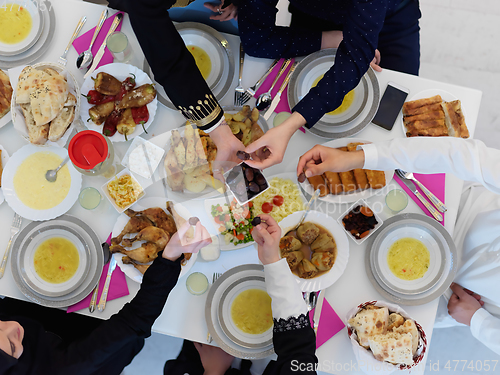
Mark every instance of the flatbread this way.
pixel 395 320
pixel 369 323
pixel 409 327
pixel 28 79
pixel 62 121
pixel 38 135
pixel 5 94
pixel 392 347
pixel 48 99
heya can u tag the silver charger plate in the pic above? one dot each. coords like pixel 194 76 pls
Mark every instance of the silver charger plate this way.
pixel 212 311
pixel 95 264
pixel 448 264
pixel 220 85
pixel 356 117
pixel 40 46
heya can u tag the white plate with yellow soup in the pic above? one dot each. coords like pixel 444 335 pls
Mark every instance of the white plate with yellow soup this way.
pixel 412 260
pixel 225 327
pixel 27 191
pixel 22 25
pixel 55 262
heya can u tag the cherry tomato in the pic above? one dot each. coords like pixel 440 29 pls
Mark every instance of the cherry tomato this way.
pixel 240 237
pixel 278 200
pixel 227 218
pixel 267 207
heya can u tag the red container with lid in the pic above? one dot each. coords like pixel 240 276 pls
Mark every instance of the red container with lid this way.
pixel 91 153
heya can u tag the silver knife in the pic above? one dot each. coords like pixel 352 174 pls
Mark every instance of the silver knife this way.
pixel 100 52
pixel 277 98
pixel 317 310
pixel 104 295
pixel 427 205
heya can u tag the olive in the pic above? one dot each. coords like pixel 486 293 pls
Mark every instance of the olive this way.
pixel 193 220
pixel 242 155
pixel 253 187
pixel 263 187
pixel 256 221
pixel 249 174
pixel 302 177
pixel 260 179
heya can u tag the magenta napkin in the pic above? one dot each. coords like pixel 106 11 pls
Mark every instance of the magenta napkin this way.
pixel 82 43
pixel 117 287
pixel 434 182
pixel 283 105
pixel 329 323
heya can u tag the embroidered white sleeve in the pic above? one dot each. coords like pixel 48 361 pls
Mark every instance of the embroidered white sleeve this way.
pixel 486 328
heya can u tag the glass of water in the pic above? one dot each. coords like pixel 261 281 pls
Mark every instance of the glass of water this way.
pixel 119 47
pixel 90 198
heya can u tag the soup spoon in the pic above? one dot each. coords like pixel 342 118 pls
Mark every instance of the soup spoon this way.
pixel 264 100
pixel 85 58
pixel 51 174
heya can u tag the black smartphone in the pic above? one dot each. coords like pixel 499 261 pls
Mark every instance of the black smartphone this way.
pixel 390 105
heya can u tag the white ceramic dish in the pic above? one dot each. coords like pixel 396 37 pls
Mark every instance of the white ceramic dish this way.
pixel 104 189
pixel 123 219
pixel 143 157
pixel 328 278
pixel 4 160
pixel 445 95
pixel 17 113
pixel 36 27
pixel 346 197
pixel 19 207
pixel 360 202
pixel 120 72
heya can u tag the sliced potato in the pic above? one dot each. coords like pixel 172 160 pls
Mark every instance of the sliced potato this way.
pixel 239 117
pixel 248 122
pixel 246 111
pixel 228 117
pixel 194 183
pixel 235 127
pixel 255 115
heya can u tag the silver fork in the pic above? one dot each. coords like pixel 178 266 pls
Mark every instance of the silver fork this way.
pixel 408 175
pixel 214 279
pixel 14 229
pixel 62 58
pixel 251 90
pixel 239 90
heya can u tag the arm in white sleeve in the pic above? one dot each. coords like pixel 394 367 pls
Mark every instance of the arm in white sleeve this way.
pixel 468 159
pixel 486 328
pixel 284 291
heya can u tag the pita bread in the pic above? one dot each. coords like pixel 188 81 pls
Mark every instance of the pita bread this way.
pixel 71 101
pixel 62 121
pixel 48 99
pixel 369 323
pixel 395 320
pixel 38 135
pixel 392 347
pixel 410 327
pixel 28 79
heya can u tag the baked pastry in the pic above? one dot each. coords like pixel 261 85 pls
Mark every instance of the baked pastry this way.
pixel 319 183
pixel 5 94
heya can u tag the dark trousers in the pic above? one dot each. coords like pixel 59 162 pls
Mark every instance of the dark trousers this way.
pixel 398 42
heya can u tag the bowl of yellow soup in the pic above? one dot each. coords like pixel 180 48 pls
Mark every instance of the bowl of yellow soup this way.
pixel 412 259
pixel 28 192
pixel 22 25
pixel 55 261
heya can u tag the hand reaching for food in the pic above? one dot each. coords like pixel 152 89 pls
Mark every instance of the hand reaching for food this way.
pixel 179 244
pixel 223 14
pixel 463 304
pixel 267 234
pixel 321 159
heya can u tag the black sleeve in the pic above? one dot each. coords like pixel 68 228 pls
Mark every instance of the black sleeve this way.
pixel 295 344
pixel 124 329
pixel 172 64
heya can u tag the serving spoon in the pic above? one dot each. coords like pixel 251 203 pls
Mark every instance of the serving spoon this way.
pixel 308 208
pixel 264 100
pixel 85 58
pixel 51 174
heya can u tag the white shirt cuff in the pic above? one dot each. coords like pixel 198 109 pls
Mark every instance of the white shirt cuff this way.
pixel 371 156
pixel 284 291
pixel 215 126
pixel 477 320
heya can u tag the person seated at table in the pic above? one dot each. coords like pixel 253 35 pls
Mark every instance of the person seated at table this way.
pixel 476 234
pixel 378 32
pixel 175 69
pixel 293 338
pixel 26 348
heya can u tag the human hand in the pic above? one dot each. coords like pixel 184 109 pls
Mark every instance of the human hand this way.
pixel 375 64
pixel 227 147
pixel 463 304
pixel 267 235
pixel 179 244
pixel 228 13
pixel 215 361
pixel 331 39
pixel 270 148
pixel 320 159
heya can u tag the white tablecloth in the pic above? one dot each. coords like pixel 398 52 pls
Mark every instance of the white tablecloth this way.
pixel 184 314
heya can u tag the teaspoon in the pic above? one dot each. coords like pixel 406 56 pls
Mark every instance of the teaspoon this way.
pixel 51 174
pixel 85 58
pixel 264 100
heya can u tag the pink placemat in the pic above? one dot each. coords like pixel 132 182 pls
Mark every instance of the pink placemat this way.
pixel 82 43
pixel 434 182
pixel 117 287
pixel 283 105
pixel 329 323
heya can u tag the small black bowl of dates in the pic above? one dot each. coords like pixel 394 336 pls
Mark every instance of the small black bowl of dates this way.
pixel 245 182
pixel 360 221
